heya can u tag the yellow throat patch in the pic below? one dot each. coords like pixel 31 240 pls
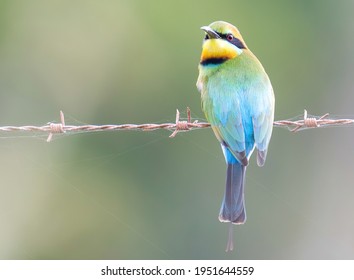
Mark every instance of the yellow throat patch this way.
pixel 218 49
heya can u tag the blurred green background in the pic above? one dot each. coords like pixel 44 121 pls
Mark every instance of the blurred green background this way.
pixel 141 195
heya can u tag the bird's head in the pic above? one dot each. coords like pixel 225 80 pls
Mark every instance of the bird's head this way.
pixel 222 42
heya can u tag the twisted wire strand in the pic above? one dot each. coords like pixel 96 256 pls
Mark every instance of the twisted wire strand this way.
pixel 178 126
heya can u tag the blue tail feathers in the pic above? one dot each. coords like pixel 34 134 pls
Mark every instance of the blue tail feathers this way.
pixel 233 205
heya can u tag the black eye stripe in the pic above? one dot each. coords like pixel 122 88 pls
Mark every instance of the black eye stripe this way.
pixel 238 43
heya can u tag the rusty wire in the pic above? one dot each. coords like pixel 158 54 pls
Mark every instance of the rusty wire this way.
pixel 179 125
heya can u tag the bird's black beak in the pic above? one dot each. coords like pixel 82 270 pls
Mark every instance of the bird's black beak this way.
pixel 210 32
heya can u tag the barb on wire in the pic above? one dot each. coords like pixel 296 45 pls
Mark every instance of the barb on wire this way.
pixel 312 122
pixel 293 125
pixel 56 127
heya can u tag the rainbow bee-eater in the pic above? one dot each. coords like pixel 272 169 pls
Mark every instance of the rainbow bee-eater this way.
pixel 238 101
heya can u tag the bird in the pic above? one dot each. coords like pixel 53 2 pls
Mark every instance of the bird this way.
pixel 238 101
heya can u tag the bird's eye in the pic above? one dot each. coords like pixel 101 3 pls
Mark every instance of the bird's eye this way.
pixel 229 37
pixel 206 37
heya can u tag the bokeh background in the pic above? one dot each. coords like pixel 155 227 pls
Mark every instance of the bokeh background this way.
pixel 142 195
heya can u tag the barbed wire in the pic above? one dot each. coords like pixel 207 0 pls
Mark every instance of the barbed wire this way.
pixel 294 125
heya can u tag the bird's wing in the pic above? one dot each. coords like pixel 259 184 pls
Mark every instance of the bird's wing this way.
pixel 262 119
pixel 226 122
